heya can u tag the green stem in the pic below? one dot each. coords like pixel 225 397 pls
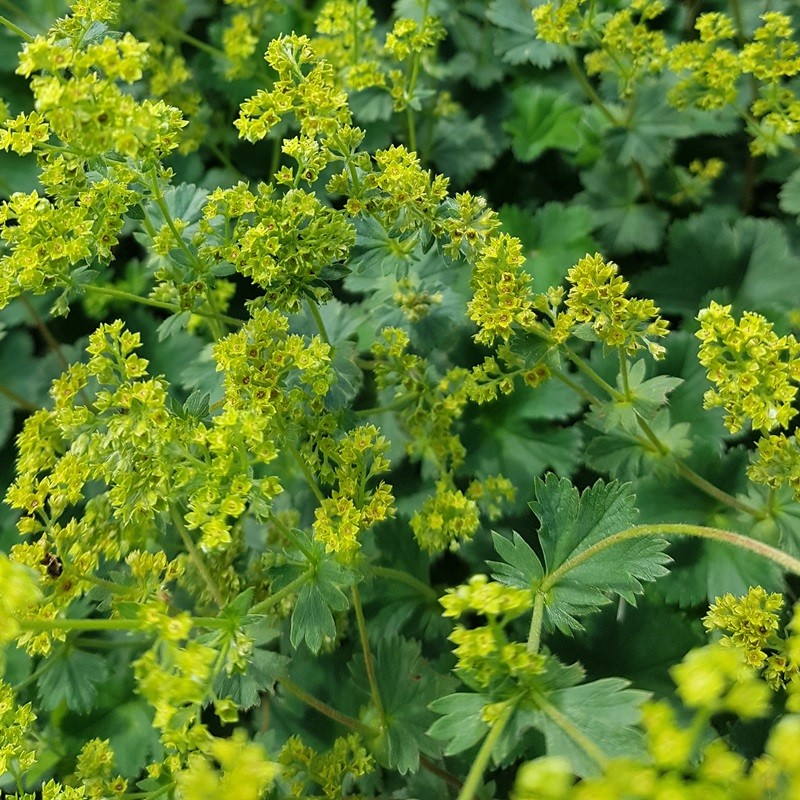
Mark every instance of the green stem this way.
pixel 592 375
pixel 42 625
pixel 158 197
pixel 481 762
pixel 305 470
pixel 413 77
pixel 689 475
pixel 51 341
pixel 784 560
pixel 368 661
pixel 7 23
pixel 589 90
pixel 576 387
pixel 535 631
pixel 276 597
pixel 18 399
pixel 323 708
pixel 195 557
pixel 312 307
pixel 409 580
pixel 119 294
pixel 623 372
pixel 396 405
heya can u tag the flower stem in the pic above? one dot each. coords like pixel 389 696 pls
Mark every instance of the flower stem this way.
pixel 146 301
pixel 7 23
pixel 196 557
pixel 481 762
pixel 409 580
pixel 276 597
pixel 323 708
pixel 368 660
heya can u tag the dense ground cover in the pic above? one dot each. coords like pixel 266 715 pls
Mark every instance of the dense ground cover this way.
pixel 399 400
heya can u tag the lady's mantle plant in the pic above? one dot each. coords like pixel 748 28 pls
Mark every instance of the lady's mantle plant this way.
pixel 248 535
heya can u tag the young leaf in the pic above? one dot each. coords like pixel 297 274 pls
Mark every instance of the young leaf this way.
pixel 570 524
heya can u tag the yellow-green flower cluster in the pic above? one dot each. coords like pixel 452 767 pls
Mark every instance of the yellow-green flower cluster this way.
pixel 561 22
pixel 717 678
pixel 233 767
pixel 482 596
pixel 281 242
pixel 628 48
pixel 306 86
pixel 174 675
pixel 273 380
pixel 430 405
pixel 754 370
pixel 353 506
pixel 711 67
pixel 306 770
pixel 597 309
pixel 501 298
pixel 346 39
pixel 239 43
pixel 16 721
pixel 777 462
pixel 750 622
pixel 20 596
pixel 94 769
pixel 398 192
pixel 680 764
pixel 444 518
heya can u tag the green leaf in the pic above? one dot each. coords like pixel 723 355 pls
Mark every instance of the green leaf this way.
pixel 515 38
pixel 542 119
pixel 625 456
pixel 518 439
pixel 649 395
pixel 597 718
pixel 750 258
pixel 789 196
pixel 462 147
pixel 72 676
pixel 625 224
pixel 461 725
pixel 520 566
pixel 245 688
pixel 376 251
pixel 407 686
pixel 570 524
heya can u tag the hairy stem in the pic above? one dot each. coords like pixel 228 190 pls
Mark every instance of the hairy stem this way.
pixel 778 557
pixel 537 617
pixel 276 597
